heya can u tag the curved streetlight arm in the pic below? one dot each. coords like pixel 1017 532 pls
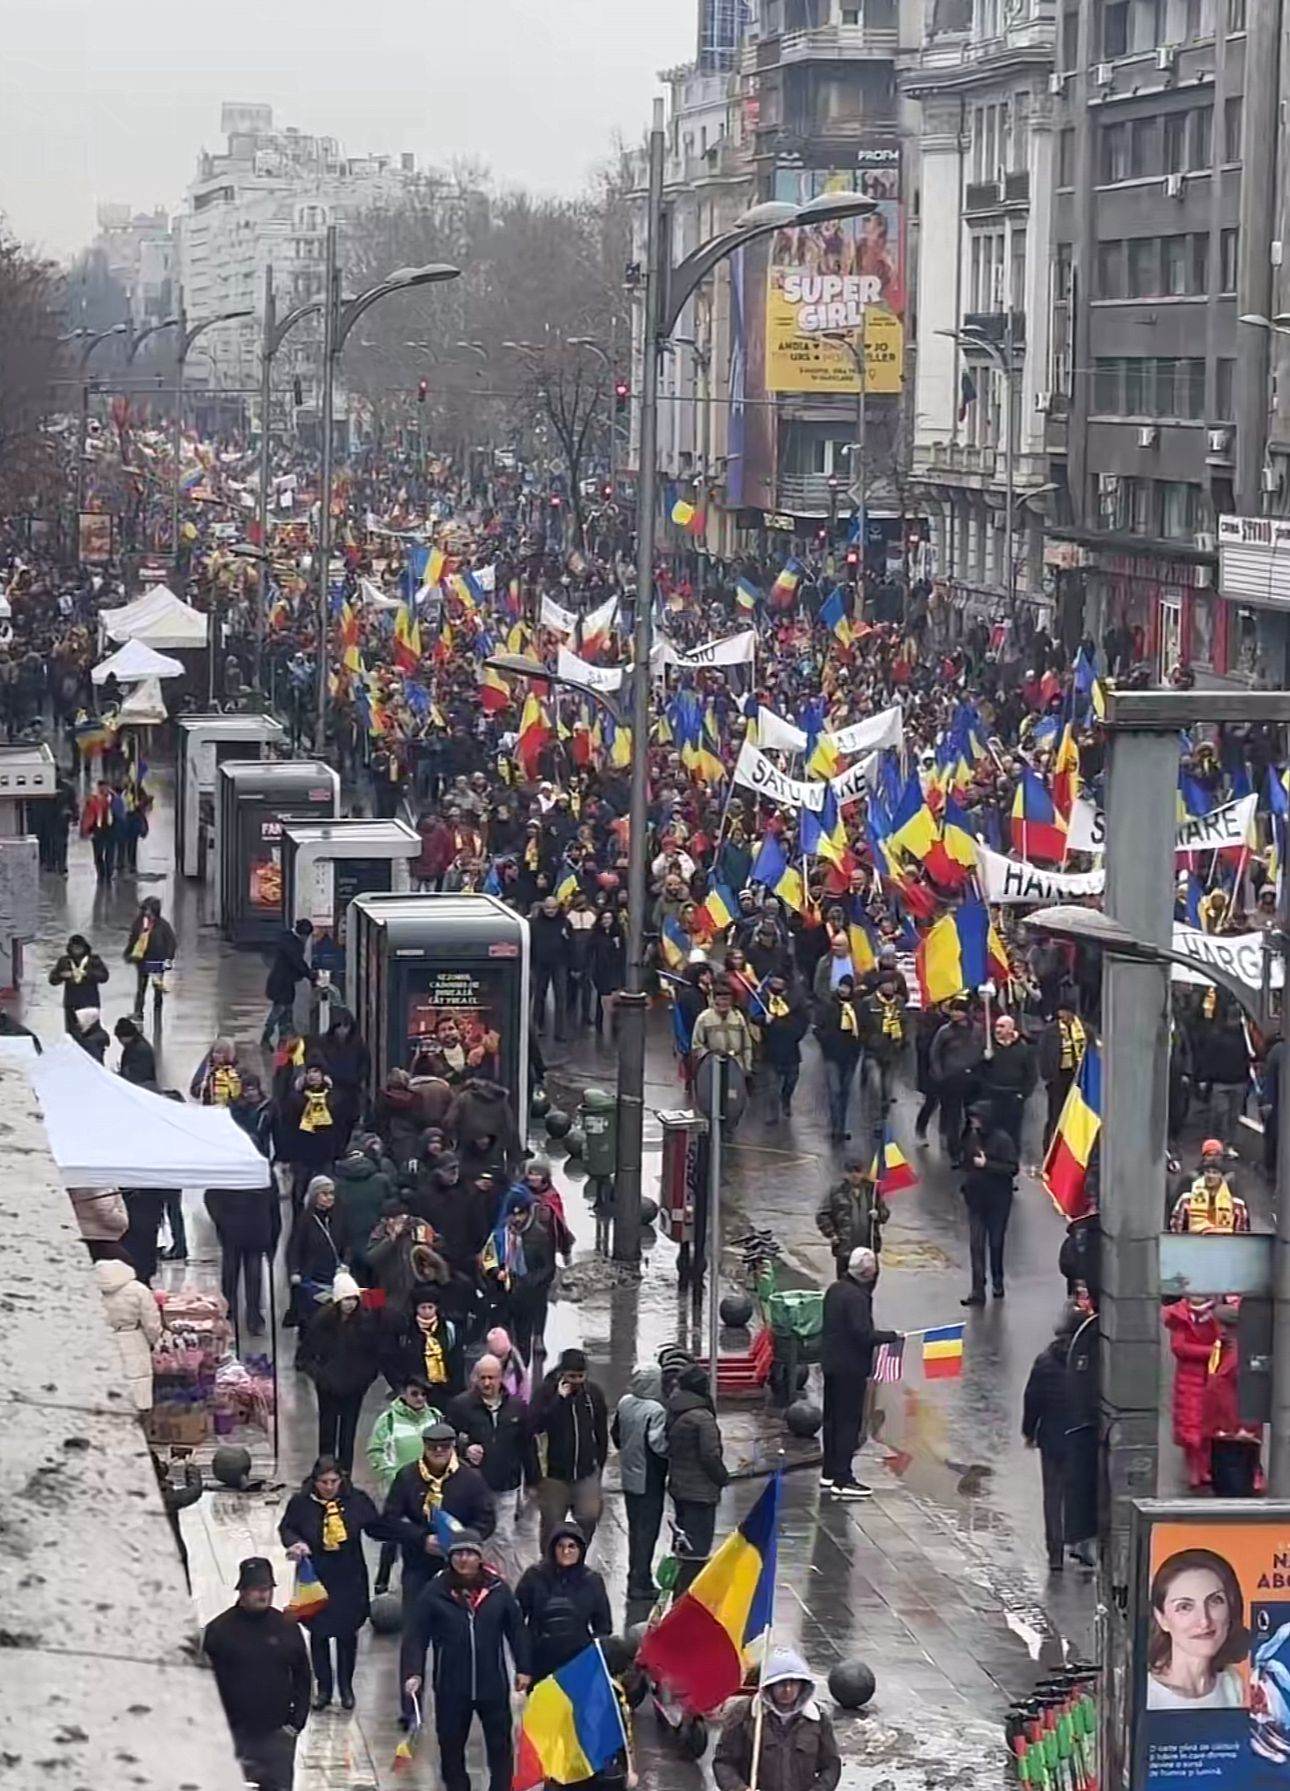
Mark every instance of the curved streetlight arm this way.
pixel 352 309
pixel 199 329
pixel 681 281
pixel 589 342
pixel 137 342
pixel 280 331
pixel 117 329
pixel 981 345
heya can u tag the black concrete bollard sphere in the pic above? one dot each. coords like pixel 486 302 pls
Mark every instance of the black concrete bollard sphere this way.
pixel 558 1123
pixel 231 1465
pixel 852 1684
pixel 539 1103
pixel 387 1613
pixel 575 1141
pixel 804 1418
pixel 736 1309
pixel 649 1210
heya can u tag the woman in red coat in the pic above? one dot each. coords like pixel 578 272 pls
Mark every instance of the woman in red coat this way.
pixel 1193 1334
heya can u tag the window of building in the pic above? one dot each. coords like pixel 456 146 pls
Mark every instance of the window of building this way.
pixel 1224 389
pixel 1146 24
pixel 1144 267
pixel 850 15
pixel 1199 19
pixel 1107 387
pixel 1177 266
pixel 1066 156
pixel 1200 263
pixel 1115 28
pixel 1179 509
pixel 1110 270
pixel 1228 255
pixel 1069 51
pixel 1113 160
pixel 1139 383
pixel 1236 15
pixel 1175 143
pixel 1020 132
pixel 1233 114
pixel 1144 148
pixel 1202 137
pixel 1017 271
pixel 1140 505
pixel 1062 270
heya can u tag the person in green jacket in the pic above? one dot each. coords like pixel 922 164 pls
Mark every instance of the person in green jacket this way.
pixel 395 1441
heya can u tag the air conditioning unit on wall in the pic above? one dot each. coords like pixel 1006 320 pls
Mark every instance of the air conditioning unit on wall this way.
pixel 1148 436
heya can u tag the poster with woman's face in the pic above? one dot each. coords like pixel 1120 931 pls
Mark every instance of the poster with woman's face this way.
pixel 1213 1657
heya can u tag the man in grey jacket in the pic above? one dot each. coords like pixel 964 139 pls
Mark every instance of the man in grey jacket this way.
pixel 639 1433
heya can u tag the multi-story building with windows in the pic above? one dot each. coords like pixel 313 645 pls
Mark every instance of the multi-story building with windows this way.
pixel 983 79
pixel 1157 251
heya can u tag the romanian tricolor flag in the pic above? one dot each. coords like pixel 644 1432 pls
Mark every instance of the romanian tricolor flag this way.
pixel 534 732
pixel 890 1172
pixel 1038 830
pixel 783 593
pixel 960 952
pixel 913 825
pixel 436 565
pixel 824 757
pixel 943 1353
pixel 407 639
pixel 720 908
pixel 682 513
pixel 567 887
pixel 1066 781
pixel 494 693
pixel 350 656
pixel 1088 686
pixel 572 1726
pixel 833 614
pixel 309 1595
pixel 953 857
pixel 698 1648
pixel 1066 1165
pixel 791 890
pixel 747 595
pixel 674 943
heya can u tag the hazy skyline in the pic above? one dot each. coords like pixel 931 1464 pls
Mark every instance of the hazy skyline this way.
pixel 112 104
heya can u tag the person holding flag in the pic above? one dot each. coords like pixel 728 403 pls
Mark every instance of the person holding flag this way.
pixel 789 1744
pixel 847 1344
pixel 851 1214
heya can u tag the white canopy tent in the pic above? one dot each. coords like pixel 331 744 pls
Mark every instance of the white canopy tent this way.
pixel 105 1132
pixel 134 662
pixel 145 707
pixel 159 619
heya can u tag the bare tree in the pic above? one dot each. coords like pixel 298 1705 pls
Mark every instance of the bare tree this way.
pixel 29 364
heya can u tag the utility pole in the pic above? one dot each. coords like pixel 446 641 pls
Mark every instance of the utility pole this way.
pixel 633 1003
pixel 266 401
pixel 331 305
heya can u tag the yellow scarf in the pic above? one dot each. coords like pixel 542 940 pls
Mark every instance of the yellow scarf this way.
pixel 531 855
pixel 317 1113
pixel 847 1017
pixel 1209 1005
pixel 777 1007
pixel 140 945
pixel 434 1487
pixel 334 1533
pixel 436 1370
pixel 1210 1212
pixel 226 1085
pixel 1072 1038
pixel 893 1026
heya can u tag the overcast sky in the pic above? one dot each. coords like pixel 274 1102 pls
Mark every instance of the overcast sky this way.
pixel 112 102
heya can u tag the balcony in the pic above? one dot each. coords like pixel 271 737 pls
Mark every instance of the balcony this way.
pixel 838 43
pixel 807 494
pixel 993 326
pixel 1000 194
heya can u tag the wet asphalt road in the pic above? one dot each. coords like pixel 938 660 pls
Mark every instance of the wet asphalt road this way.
pixel 939 1580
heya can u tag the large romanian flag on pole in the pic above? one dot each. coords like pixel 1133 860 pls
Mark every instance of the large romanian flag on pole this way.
pixel 1066 1165
pixel 698 1649
pixel 572 1725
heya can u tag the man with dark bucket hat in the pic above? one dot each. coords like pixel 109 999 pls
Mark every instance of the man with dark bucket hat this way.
pixel 262 1670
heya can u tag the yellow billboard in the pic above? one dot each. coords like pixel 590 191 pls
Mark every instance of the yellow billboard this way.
pixel 800 358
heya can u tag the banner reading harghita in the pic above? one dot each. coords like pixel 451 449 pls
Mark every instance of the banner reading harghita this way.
pixel 1211 1666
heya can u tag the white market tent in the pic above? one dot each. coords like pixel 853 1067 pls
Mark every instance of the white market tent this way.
pixel 157 618
pixel 134 662
pixel 145 707
pixel 105 1132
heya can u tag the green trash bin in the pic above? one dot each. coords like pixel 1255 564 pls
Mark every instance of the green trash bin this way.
pixel 796 1318
pixel 598 1117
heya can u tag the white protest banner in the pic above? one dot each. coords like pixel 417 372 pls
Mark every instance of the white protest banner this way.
pixel 1222 828
pixel 593 677
pixel 1006 882
pixel 559 621
pixel 1239 954
pixel 872 734
pixel 847 786
pixel 599 621
pixel 778 735
pixel 755 771
pixel 735 649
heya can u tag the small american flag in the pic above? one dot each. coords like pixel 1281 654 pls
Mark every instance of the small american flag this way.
pixel 889 1363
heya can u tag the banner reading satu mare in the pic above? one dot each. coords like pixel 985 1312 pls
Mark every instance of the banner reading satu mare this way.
pixel 755 771
pixel 1221 829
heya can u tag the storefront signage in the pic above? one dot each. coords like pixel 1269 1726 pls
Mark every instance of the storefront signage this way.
pixel 1254 560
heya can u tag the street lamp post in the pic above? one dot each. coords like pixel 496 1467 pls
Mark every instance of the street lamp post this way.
pixel 667 291
pixel 116 329
pixel 1003 356
pixel 275 334
pixel 187 336
pixel 339 317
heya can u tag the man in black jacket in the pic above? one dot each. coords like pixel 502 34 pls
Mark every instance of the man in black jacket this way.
pixel 438 1482
pixel 288 968
pixel 470 1614
pixel 990 1158
pixel 1046 1423
pixel 138 1059
pixel 847 1344
pixel 262 1671
pixel 551 956
pixel 492 1435
pixel 1008 1076
pixel 570 1414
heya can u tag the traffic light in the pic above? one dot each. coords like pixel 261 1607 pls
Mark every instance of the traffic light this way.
pixel 556 500
pixel 607 490
pixel 622 392
pixel 821 535
pixel 853 556
pixel 423 387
